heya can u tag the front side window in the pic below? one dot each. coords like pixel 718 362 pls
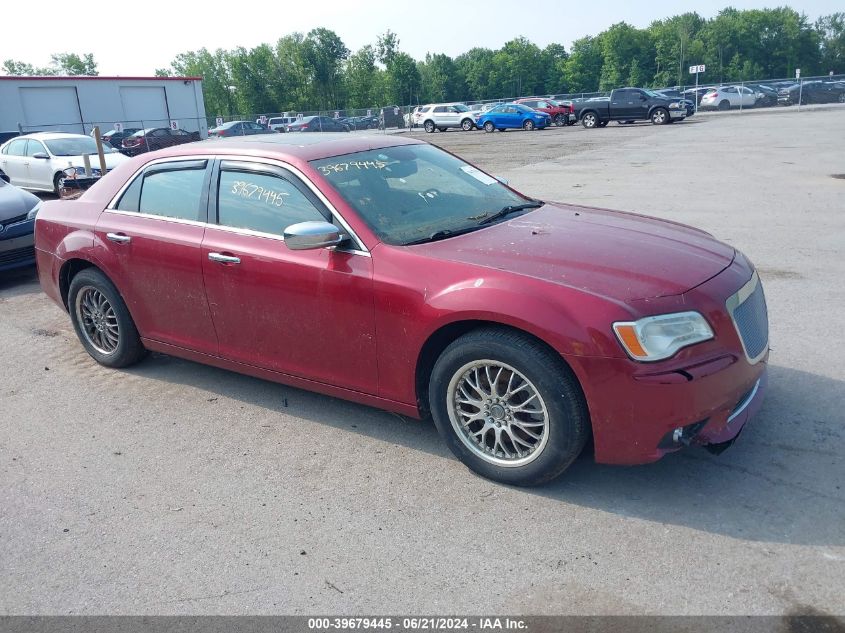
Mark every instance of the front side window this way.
pixel 267 203
pixel 34 147
pixel 408 193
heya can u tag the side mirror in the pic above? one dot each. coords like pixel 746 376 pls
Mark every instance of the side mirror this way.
pixel 312 235
pixel 41 155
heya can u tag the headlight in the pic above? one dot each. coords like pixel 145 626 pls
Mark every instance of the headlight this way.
pixel 658 337
pixel 33 211
pixel 79 172
pixel 674 104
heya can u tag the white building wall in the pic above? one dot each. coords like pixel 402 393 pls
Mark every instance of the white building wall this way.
pixel 74 104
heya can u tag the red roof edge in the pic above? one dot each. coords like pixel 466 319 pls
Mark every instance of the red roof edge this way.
pixel 91 78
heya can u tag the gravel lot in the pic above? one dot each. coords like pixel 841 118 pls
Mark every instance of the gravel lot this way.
pixel 174 488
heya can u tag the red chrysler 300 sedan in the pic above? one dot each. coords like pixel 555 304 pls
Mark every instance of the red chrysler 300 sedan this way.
pixel 392 273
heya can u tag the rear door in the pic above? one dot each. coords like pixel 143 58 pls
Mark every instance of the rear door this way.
pixel 149 242
pixel 307 313
pixel 14 161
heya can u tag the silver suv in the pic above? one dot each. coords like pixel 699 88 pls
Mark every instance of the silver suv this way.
pixel 442 116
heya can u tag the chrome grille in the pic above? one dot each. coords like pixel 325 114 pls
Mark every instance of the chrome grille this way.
pixel 747 308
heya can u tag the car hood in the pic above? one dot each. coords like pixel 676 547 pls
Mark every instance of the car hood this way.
pixel 14 202
pixel 112 160
pixel 617 255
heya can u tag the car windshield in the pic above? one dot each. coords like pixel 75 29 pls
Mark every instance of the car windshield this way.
pixel 413 192
pixel 75 146
pixel 461 108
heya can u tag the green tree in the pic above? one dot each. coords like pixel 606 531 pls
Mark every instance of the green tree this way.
pixel 324 53
pixel 831 34
pixel 69 64
pixel 584 66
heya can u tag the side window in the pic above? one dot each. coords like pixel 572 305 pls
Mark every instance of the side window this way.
pixel 262 202
pixel 440 109
pixel 34 147
pixel 17 148
pixel 172 193
pixel 131 198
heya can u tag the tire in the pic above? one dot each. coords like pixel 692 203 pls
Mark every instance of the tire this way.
pixel 724 105
pixel 560 120
pixel 558 427
pixel 467 125
pixel 429 126
pixel 590 120
pixel 841 98
pixel 660 116
pixel 528 125
pixel 58 180
pixel 489 127
pixel 102 321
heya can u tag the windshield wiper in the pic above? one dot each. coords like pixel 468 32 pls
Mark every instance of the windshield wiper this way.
pixel 441 235
pixel 513 208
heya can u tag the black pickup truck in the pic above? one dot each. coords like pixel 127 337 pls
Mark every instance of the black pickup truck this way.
pixel 629 105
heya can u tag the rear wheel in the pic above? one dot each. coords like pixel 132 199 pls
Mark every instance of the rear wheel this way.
pixel 528 124
pixel 590 120
pixel 724 105
pixel 489 127
pixel 560 120
pixel 508 407
pixel 102 320
pixel 429 126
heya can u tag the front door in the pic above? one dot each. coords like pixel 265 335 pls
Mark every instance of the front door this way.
pixel 39 170
pixel 150 246
pixel 306 313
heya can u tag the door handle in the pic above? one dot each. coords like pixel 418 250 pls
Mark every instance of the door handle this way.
pixel 224 259
pixel 120 238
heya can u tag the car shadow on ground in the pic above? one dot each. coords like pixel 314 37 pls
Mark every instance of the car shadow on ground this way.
pixel 19 282
pixel 784 480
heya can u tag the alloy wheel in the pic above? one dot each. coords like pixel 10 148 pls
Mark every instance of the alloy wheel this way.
pixel 98 320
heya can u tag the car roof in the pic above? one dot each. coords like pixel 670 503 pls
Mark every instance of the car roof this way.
pixel 49 136
pixel 304 147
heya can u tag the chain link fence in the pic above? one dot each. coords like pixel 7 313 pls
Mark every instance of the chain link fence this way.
pixel 137 136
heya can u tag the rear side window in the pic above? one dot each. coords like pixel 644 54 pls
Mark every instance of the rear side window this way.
pixel 169 190
pixel 263 202
pixel 173 193
pixel 17 148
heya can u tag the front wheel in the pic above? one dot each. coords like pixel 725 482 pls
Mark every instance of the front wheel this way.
pixel 489 127
pixel 528 125
pixel 660 116
pixel 467 125
pixel 429 126
pixel 508 407
pixel 102 320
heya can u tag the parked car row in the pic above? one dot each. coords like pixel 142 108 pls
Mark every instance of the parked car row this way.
pixel 759 95
pixel 528 113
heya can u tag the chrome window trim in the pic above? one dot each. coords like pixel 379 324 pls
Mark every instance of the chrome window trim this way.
pixel 110 207
pixel 733 302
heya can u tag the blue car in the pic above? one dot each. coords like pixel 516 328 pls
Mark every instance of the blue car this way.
pixel 17 224
pixel 511 116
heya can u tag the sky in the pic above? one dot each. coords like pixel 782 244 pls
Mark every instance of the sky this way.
pixel 135 38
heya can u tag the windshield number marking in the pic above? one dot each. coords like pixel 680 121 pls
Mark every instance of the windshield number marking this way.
pixel 334 168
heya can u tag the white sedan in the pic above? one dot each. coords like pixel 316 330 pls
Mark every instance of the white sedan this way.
pixel 727 97
pixel 40 161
